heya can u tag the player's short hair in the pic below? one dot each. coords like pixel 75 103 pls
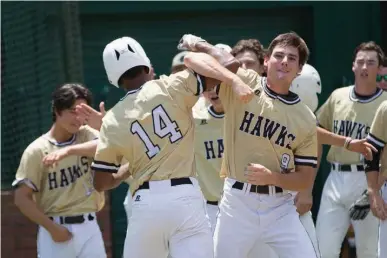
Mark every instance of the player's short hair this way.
pixel 253 45
pixel 291 39
pixel 132 73
pixel 384 63
pixel 65 96
pixel 370 46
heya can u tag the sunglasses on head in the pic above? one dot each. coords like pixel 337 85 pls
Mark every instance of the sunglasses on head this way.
pixel 379 77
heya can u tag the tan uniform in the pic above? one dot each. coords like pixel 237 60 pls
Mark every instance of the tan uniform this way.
pixel 209 148
pixel 66 189
pixel 348 115
pixel 153 129
pixel 278 132
pixel 378 134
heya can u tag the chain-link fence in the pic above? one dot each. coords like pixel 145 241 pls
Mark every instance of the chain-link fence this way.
pixel 41 47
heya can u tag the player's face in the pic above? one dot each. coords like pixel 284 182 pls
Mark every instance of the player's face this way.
pixel 68 120
pixel 366 66
pixel 382 78
pixel 178 68
pixel 283 65
pixel 249 60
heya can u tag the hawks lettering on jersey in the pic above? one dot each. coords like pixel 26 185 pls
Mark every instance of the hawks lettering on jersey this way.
pixel 153 129
pixel 66 189
pixel 276 131
pixel 349 115
pixel 378 138
pixel 209 148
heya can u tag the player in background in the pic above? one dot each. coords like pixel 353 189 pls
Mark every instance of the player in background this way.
pixel 152 128
pixel 250 53
pixel 377 176
pixel 343 119
pixel 269 155
pixel 381 78
pixel 61 198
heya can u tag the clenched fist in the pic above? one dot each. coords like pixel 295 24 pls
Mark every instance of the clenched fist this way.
pixel 188 42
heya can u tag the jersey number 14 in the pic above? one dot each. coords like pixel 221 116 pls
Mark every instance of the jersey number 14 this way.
pixel 162 126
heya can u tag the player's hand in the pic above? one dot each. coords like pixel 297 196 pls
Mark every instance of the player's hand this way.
pixel 363 147
pixel 52 159
pixel 60 234
pixel 303 202
pixel 188 41
pixel 213 98
pixel 259 175
pixel 360 209
pixel 242 90
pixel 90 116
pixel 378 206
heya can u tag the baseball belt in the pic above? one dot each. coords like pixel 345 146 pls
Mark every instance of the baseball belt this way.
pixel 347 168
pixel 174 182
pixel 73 219
pixel 261 189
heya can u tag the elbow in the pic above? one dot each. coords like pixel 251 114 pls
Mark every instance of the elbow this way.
pixel 189 59
pixel 99 186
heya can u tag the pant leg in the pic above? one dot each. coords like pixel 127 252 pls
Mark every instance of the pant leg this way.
pixel 332 220
pixel 382 243
pixel 212 211
pixel 307 222
pixel 47 248
pixel 91 240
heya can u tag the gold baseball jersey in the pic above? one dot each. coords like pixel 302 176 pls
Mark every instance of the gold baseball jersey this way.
pixel 378 135
pixel 347 114
pixel 276 131
pixel 153 129
pixel 209 148
pixel 66 189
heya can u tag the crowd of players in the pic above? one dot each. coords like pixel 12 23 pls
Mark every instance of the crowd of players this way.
pixel 220 156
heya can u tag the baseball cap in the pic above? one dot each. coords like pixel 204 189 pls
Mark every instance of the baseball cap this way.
pixel 121 55
pixel 179 58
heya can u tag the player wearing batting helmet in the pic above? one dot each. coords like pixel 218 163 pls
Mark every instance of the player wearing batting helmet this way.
pixel 345 119
pixel 270 154
pixel 167 208
pixel 59 196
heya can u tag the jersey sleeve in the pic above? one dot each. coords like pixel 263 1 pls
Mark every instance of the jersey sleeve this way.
pixel 225 92
pixel 306 153
pixel 377 137
pixel 107 157
pixel 90 133
pixel 30 169
pixel 324 114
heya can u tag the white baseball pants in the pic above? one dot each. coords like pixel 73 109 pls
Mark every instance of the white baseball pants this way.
pixel 340 191
pixel 383 229
pixel 87 241
pixel 169 220
pixel 247 219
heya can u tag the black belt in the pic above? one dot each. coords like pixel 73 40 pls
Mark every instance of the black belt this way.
pixel 347 168
pixel 73 219
pixel 174 182
pixel 213 203
pixel 261 189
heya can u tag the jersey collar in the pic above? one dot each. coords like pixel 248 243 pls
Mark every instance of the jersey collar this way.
pixel 213 113
pixel 61 144
pixel 290 99
pixel 364 99
pixel 130 93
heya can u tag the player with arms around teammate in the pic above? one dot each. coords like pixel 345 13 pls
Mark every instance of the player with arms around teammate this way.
pixel 345 118
pixel 278 151
pixel 377 176
pixel 152 128
pixel 61 199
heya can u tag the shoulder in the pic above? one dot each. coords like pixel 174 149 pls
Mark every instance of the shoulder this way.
pixel 382 109
pixel 86 130
pixel 342 92
pixel 37 148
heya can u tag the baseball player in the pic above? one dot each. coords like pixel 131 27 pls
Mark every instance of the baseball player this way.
pixel 250 53
pixel 269 155
pixel 378 138
pixel 347 116
pixel 61 198
pixel 152 128
pixel 381 78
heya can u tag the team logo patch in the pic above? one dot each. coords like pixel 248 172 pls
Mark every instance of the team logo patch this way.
pixel 285 160
pixel 257 92
pixel 138 198
pixel 203 122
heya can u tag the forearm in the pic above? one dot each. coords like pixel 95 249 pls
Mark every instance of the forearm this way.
pixel 122 174
pixel 294 181
pixel 87 149
pixel 208 66
pixel 106 181
pixel 328 138
pixel 29 209
pixel 373 182
pixel 319 155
